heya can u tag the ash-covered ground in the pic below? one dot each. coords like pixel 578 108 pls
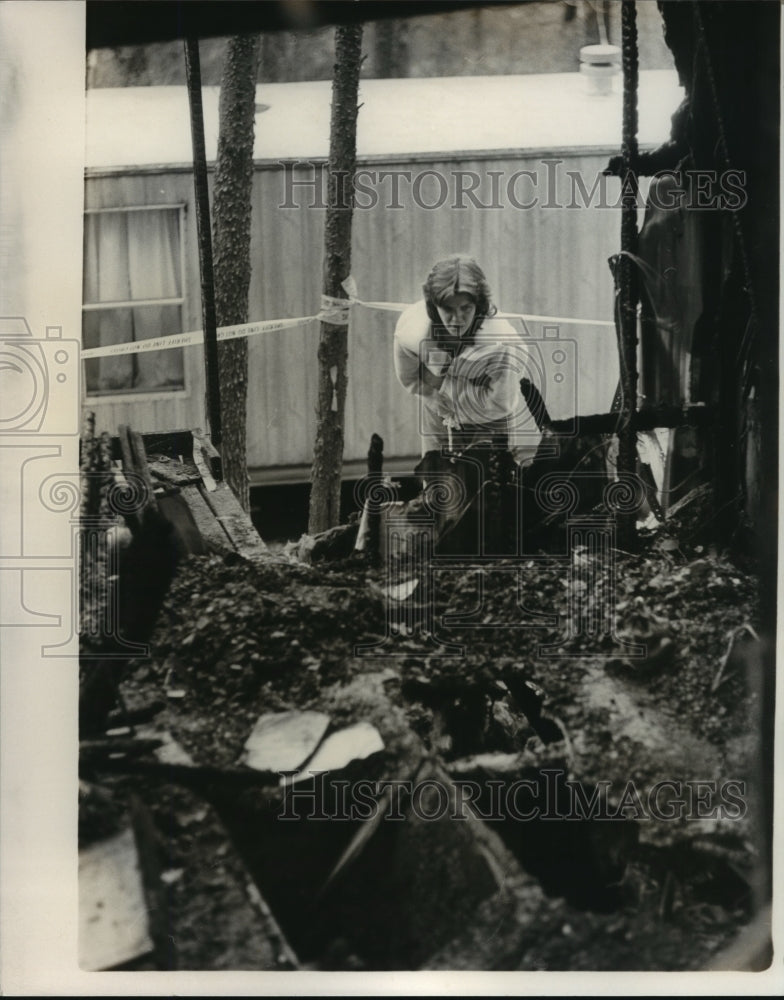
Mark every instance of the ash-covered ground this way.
pixel 238 639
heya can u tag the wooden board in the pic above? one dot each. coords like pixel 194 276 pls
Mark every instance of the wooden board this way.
pixel 207 478
pixel 113 919
pixel 203 448
pixel 235 521
pixel 215 536
pixel 172 471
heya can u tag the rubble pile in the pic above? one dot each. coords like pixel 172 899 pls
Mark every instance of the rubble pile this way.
pixel 561 674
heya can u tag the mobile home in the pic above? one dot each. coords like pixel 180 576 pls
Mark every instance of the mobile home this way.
pixel 508 168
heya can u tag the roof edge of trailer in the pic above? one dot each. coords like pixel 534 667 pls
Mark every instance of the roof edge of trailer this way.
pixel 400 119
pixel 438 156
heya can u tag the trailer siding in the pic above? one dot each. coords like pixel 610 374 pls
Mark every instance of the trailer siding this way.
pixel 542 260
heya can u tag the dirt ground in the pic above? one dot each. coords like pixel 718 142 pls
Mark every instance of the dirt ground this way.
pixel 237 639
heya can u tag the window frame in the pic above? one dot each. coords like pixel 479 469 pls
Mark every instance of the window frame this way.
pixel 134 395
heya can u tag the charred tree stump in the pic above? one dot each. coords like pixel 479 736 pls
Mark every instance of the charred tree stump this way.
pixel 375 467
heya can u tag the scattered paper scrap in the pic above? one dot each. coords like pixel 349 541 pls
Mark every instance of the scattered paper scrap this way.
pixel 401 591
pixel 354 743
pixel 172 875
pixel 170 751
pixel 282 741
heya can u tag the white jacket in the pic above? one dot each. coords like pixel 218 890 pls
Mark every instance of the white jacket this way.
pixel 480 392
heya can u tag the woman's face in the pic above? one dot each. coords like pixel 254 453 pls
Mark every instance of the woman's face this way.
pixel 457 313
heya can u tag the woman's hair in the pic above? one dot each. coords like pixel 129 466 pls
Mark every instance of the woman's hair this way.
pixel 457 274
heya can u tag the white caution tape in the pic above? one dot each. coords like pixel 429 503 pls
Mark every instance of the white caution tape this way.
pixel 197 337
pixel 137 346
pixel 350 287
pixel 568 320
pixel 531 317
pixel 333 310
pixel 383 306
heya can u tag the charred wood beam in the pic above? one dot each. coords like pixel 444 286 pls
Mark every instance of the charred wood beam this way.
pixel 535 403
pixel 209 453
pixel 134 460
pixel 197 777
pixel 177 444
pixel 91 750
pixel 375 466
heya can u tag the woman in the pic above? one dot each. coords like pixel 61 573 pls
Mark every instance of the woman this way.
pixel 464 365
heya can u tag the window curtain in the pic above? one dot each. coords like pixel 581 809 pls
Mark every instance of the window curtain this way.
pixel 132 256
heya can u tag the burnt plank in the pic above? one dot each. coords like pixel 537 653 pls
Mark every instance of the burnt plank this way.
pixel 209 452
pixel 214 535
pixel 235 521
pixel 141 467
pixel 133 517
pixel 169 443
pixel 173 472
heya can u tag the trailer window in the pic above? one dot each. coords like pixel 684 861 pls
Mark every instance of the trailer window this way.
pixel 133 291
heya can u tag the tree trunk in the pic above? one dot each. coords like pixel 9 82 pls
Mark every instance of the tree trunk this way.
pixel 202 200
pixel 627 435
pixel 231 226
pixel 333 344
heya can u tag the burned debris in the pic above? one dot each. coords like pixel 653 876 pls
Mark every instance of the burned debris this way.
pixel 427 817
